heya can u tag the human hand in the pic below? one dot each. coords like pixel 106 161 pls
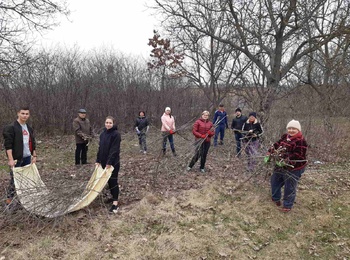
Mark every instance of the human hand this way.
pixel 250 131
pixel 34 159
pixel 108 166
pixel 211 133
pixel 138 132
pixel 171 132
pixel 204 136
pixel 11 163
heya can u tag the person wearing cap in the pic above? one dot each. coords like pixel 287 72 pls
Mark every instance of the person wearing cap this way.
pixel 20 146
pixel 203 130
pixel 83 135
pixel 252 130
pixel 237 124
pixel 168 129
pixel 220 122
pixel 289 155
pixel 141 127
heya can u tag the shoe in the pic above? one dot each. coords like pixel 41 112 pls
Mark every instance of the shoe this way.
pixel 144 152
pixel 141 151
pixel 114 209
pixel 188 168
pixel 278 203
pixel 285 210
pixel 174 154
pixel 221 143
pixel 202 171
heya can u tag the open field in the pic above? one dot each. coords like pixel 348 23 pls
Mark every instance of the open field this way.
pixel 167 213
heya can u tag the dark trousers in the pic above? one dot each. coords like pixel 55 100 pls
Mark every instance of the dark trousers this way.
pixel 167 136
pixel 113 182
pixel 142 141
pixel 238 137
pixel 288 179
pixel 202 152
pixel 11 192
pixel 220 129
pixel 81 153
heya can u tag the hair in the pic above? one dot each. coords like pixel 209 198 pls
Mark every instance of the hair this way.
pixel 141 111
pixel 111 118
pixel 23 108
pixel 205 112
pixel 221 105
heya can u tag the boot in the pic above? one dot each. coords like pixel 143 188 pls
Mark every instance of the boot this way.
pixel 164 152
pixel 174 153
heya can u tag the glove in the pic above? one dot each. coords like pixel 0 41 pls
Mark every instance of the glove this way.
pixel 250 131
pixel 204 136
pixel 280 163
pixel 138 132
pixel 267 159
pixel 210 133
pixel 171 132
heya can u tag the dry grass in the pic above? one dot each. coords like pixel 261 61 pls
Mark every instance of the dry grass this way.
pixel 169 214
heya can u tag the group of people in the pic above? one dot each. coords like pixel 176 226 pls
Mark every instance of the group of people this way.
pixel 288 153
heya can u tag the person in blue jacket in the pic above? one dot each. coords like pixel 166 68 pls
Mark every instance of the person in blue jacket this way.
pixel 220 122
pixel 109 155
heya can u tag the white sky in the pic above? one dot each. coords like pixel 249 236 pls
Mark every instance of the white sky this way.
pixel 126 25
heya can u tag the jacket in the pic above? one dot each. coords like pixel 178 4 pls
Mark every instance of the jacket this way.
pixel 13 140
pixel 141 123
pixel 257 131
pixel 202 127
pixel 220 118
pixel 109 147
pixel 238 122
pixel 293 152
pixel 168 123
pixel 82 130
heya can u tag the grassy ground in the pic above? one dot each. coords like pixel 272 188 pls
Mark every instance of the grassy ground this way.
pixel 167 213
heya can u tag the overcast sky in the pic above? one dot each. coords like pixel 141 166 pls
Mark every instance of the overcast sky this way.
pixel 124 24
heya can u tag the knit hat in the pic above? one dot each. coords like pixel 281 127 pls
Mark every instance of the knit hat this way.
pixel 252 114
pixel 238 109
pixel 167 109
pixel 294 124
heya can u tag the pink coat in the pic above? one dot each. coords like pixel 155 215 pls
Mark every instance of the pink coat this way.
pixel 168 123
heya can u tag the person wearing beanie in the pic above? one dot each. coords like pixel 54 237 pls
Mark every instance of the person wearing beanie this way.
pixel 141 127
pixel 252 130
pixel 168 129
pixel 237 124
pixel 220 122
pixel 83 135
pixel 289 155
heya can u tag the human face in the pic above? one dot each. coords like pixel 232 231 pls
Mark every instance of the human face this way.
pixel 292 131
pixel 167 112
pixel 142 114
pixel 108 123
pixel 23 116
pixel 238 113
pixel 252 118
pixel 82 115
pixel 205 116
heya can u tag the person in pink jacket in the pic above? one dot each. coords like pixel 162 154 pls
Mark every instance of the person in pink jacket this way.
pixel 203 131
pixel 168 129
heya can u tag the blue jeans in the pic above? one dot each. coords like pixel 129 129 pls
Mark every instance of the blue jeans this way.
pixel 167 136
pixel 238 137
pixel 289 179
pixel 220 129
pixel 20 163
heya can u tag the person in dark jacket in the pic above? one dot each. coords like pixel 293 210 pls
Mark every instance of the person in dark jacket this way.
pixel 237 124
pixel 203 131
pixel 83 135
pixel 220 121
pixel 289 154
pixel 109 155
pixel 252 130
pixel 141 127
pixel 20 145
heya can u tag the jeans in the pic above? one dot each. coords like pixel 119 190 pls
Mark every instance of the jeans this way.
pixel 20 163
pixel 289 179
pixel 167 136
pixel 81 153
pixel 252 150
pixel 202 152
pixel 238 137
pixel 220 129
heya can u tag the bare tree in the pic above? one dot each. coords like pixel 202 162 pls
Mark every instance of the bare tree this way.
pixel 272 35
pixel 20 21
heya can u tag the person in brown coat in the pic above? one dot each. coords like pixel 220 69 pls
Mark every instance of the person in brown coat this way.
pixel 83 135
